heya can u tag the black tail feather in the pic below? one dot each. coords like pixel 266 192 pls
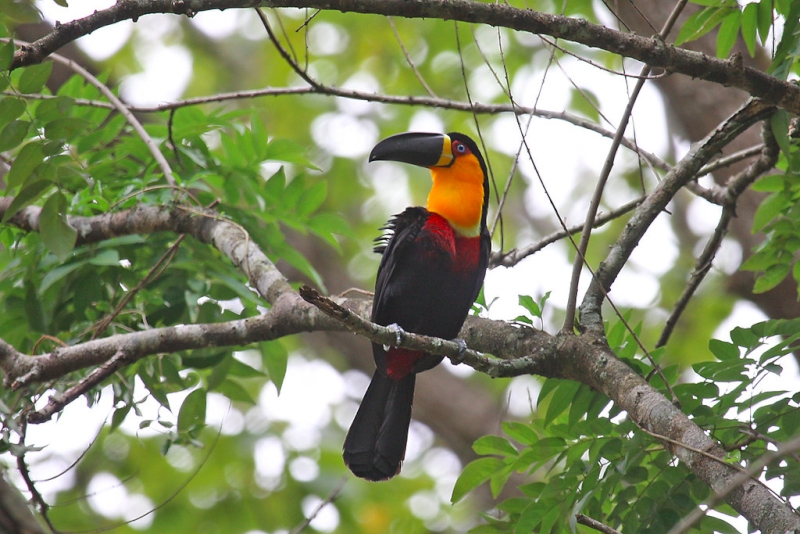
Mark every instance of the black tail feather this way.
pixel 376 443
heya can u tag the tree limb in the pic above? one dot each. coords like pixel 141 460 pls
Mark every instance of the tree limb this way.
pixel 651 51
pixel 657 201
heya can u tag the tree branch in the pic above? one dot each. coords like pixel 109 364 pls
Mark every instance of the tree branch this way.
pixel 656 202
pixel 727 197
pixel 651 51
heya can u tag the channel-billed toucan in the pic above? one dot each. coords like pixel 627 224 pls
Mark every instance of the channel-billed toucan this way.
pixel 433 264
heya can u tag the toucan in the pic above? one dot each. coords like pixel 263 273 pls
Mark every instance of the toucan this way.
pixel 432 268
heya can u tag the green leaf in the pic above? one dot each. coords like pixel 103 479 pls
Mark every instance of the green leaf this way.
pixel 10 109
pixel 193 411
pixel 520 432
pixel 486 445
pixel 474 474
pixel 6 56
pixel 787 47
pixel 274 186
pixel 119 416
pixel 219 373
pixel 56 274
pixel 770 208
pixel 105 258
pixel 26 161
pixel 544 449
pixel 13 134
pixel 701 23
pixel 744 337
pixel 717 525
pixel 750 27
pixel 723 350
pixel 29 193
pixel 326 224
pixel 290 152
pixel 53 108
pixel 780 129
pixel 65 129
pixel 204 358
pixel 154 386
pixel 728 33
pixel 773 183
pixel 765 20
pixel 58 236
pixel 586 103
pixel 35 77
pixel 21 12
pixel 527 302
pixel 275 359
pixel 312 198
pixel 561 400
pixel 581 404
pixel 773 276
pixel 241 369
pixel 235 392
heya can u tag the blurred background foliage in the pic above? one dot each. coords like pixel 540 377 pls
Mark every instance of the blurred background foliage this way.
pixel 201 441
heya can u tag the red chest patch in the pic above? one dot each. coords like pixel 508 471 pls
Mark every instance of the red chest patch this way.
pixel 464 252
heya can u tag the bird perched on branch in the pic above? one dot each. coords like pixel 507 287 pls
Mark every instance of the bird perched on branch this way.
pixel 432 269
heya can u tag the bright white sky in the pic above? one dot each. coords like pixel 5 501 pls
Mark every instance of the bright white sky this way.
pixel 166 70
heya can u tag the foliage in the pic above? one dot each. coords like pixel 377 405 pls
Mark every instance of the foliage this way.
pixel 577 440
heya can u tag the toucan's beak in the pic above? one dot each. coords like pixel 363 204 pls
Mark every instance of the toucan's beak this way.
pixel 423 149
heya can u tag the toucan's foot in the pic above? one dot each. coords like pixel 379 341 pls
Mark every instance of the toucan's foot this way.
pixel 398 332
pixel 462 349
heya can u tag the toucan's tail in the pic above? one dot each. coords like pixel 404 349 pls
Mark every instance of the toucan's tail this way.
pixel 376 443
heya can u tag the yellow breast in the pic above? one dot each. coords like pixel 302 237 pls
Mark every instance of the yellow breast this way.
pixel 457 195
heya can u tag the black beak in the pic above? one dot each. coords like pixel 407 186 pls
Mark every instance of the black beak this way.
pixel 423 149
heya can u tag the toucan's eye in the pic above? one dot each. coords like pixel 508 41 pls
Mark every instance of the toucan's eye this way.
pixel 459 148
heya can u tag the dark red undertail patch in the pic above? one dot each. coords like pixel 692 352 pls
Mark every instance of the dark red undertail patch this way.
pixel 400 362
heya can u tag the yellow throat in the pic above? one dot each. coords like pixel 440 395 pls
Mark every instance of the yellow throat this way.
pixel 457 195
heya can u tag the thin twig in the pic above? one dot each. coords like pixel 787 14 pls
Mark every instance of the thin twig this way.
pixel 514 256
pixel 287 57
pixel 322 89
pixel 701 269
pixel 59 401
pixel 174 494
pixel 481 140
pixel 600 67
pixel 410 62
pixel 577 266
pixel 332 496
pixel 22 467
pixel 727 161
pixel 727 197
pixel 595 524
pixel 154 273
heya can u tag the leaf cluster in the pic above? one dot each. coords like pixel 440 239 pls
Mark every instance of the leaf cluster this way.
pixel 71 154
pixel 579 449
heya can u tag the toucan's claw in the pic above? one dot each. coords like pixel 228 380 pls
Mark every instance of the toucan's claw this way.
pixel 462 350
pixel 398 332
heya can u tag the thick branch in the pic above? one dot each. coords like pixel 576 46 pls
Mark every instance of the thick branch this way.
pixel 204 225
pixel 653 52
